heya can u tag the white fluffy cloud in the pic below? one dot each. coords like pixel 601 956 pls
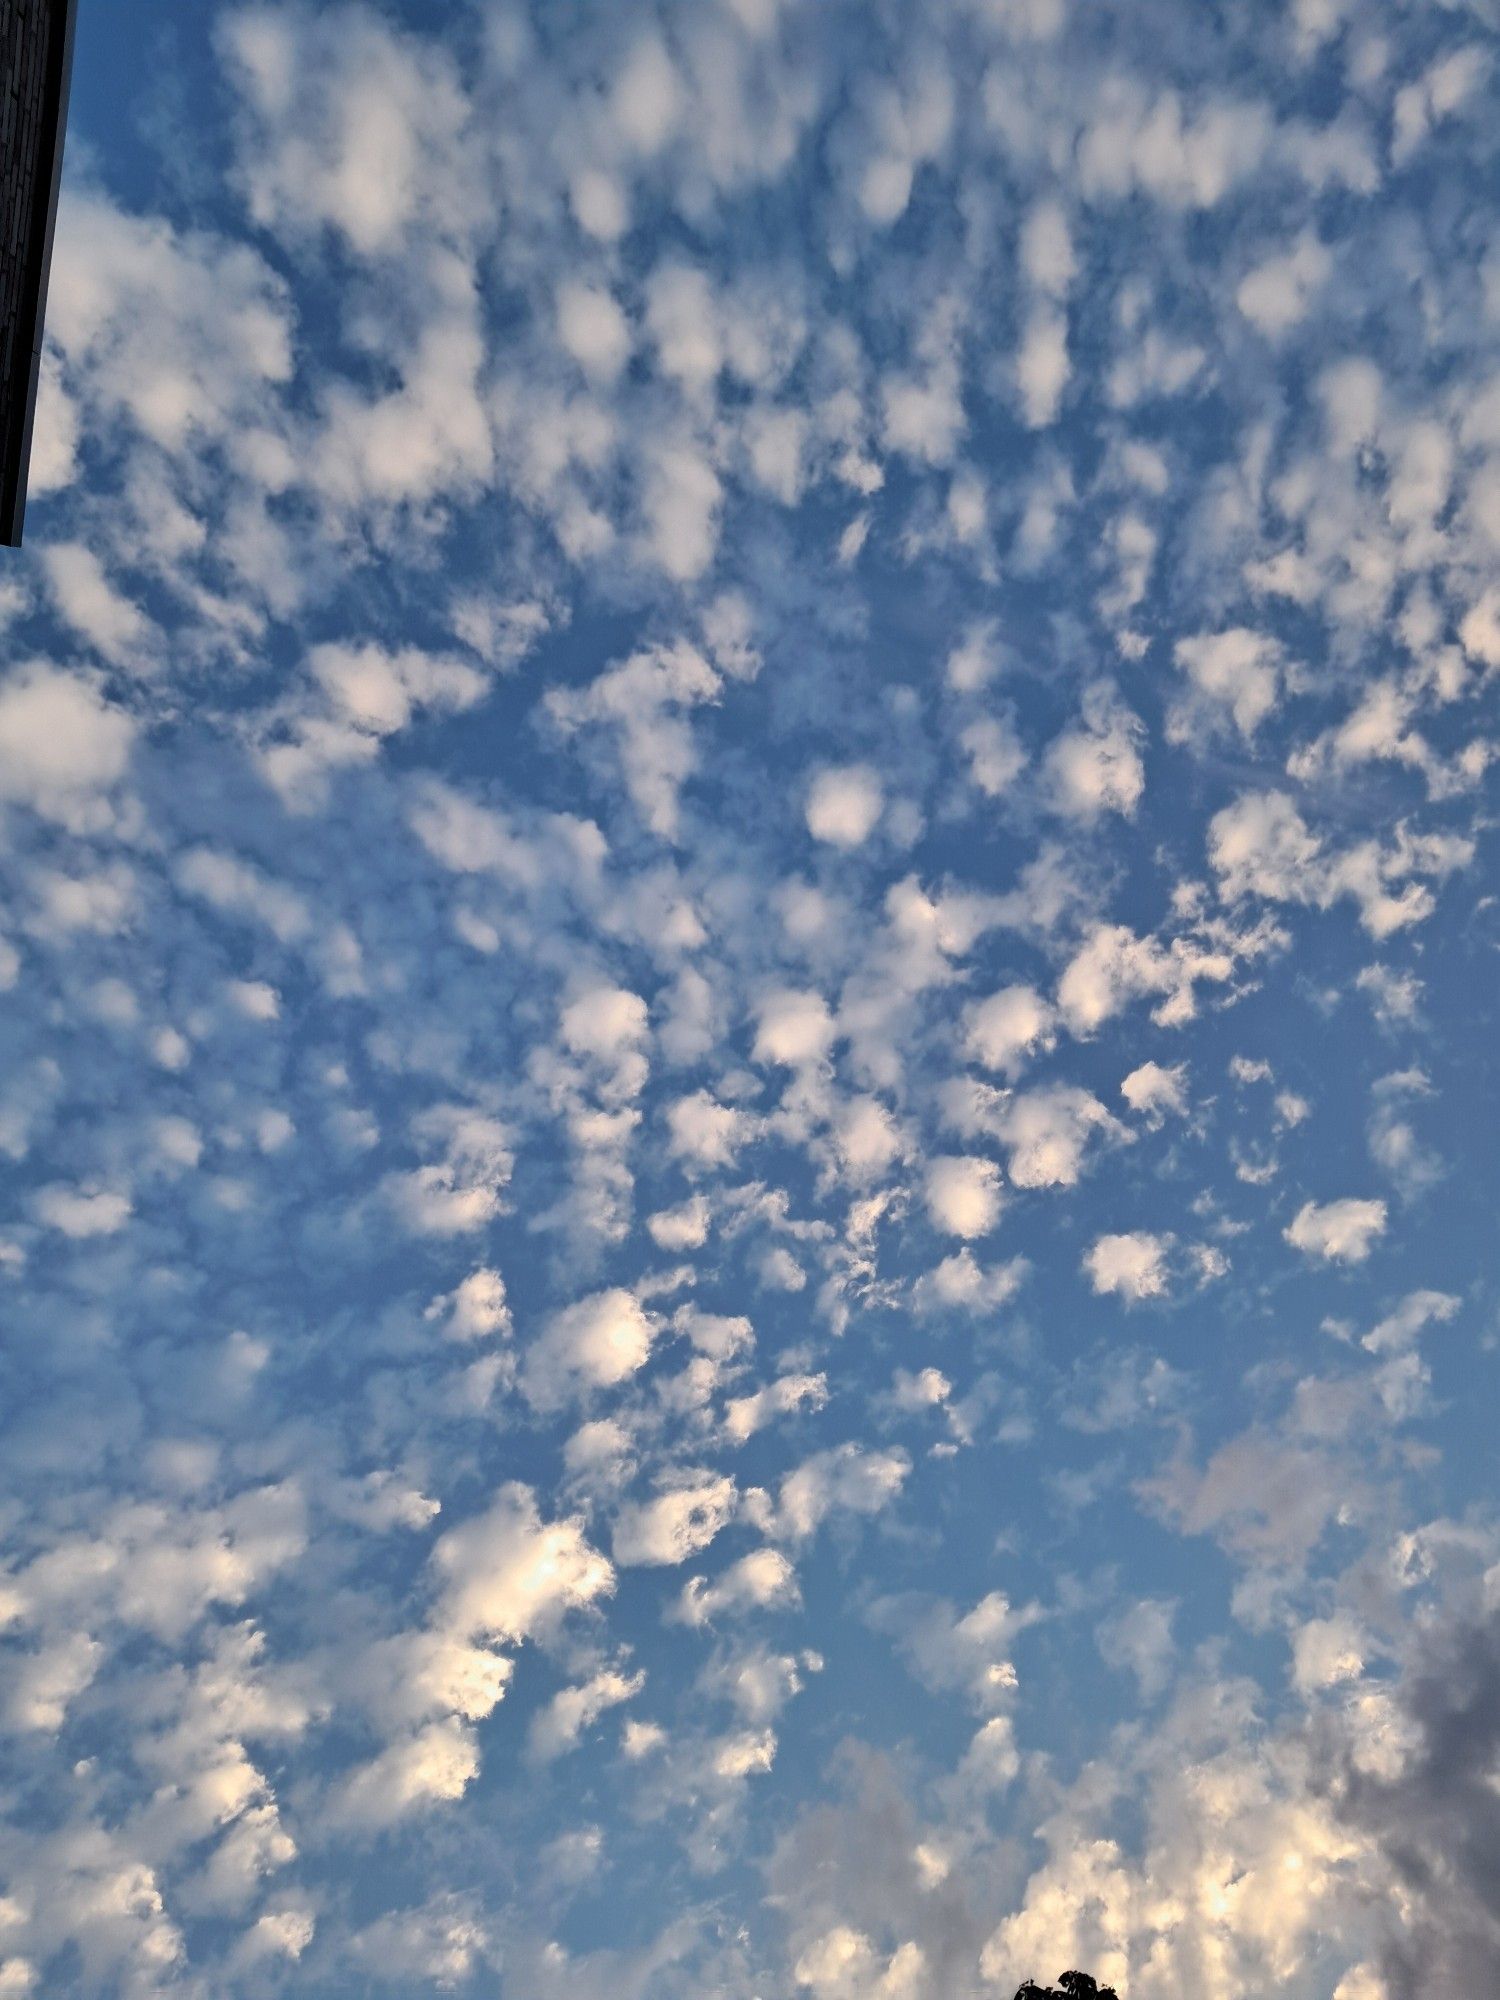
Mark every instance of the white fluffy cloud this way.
pixel 793 1028
pixel 91 604
pixel 1043 366
pixel 643 702
pixel 996 755
pixel 559 1727
pixel 1276 294
pixel 1479 631
pixel 347 126
pixel 1134 1264
pixel 675 1524
pixel 682 1228
pixel 761 1579
pixel 1110 968
pixel 1001 1031
pixel 968 1651
pixel 593 329
pixel 177 336
pixel 507 1574
pixel 1262 846
pixel 1155 1092
pixel 81 1211
pixel 847 1479
pixel 1341 1232
pixel 647 96
pixel 62 746
pixel 1151 143
pixel 963 1194
pixel 1097 769
pixel 596 1343
pixel 745 1415
pixel 845 1965
pixel 1235 676
pixel 476 1310
pixel 1048 1133
pixel 705 1131
pixel 368 693
pixel 681 498
pixel 844 805
pixel 866 1139
pixel 1326 1651
pixel 961 1283
pixel 609 1024
pixel 434 1765
pixel 463 1190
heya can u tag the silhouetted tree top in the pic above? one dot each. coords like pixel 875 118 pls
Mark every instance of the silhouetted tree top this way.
pixel 1071 1986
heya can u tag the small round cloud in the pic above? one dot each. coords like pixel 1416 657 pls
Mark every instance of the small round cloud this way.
pixel 844 805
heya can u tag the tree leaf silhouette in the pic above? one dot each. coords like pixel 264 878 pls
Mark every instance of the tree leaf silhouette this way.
pixel 1070 1986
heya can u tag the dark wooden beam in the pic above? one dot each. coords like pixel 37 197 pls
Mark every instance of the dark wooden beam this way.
pixel 36 49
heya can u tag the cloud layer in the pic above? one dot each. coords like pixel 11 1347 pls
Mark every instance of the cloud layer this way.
pixel 746 804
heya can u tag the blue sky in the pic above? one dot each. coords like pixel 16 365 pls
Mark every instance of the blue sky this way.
pixel 749 953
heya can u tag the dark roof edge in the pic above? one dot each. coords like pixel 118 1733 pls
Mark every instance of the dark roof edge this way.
pixel 39 265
